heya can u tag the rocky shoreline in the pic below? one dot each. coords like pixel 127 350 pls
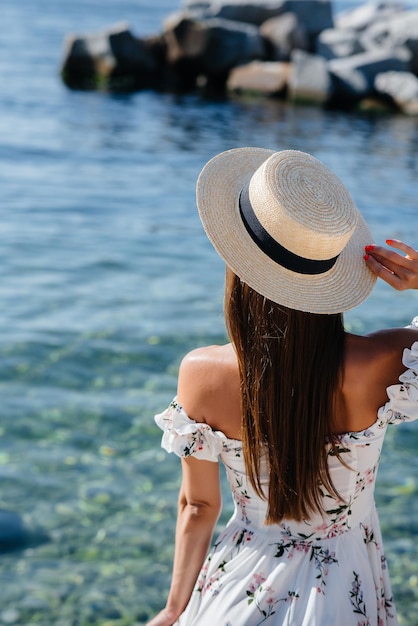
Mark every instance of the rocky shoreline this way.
pixel 294 50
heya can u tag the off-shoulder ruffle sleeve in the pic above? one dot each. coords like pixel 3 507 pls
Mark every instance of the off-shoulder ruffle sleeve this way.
pixel 403 398
pixel 414 323
pixel 185 437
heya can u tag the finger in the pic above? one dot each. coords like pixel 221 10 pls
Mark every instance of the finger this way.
pixel 390 259
pixel 384 273
pixel 401 245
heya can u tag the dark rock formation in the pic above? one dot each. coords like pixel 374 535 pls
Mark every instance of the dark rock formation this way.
pixel 284 34
pixel 113 59
pixel 209 48
pixel 244 45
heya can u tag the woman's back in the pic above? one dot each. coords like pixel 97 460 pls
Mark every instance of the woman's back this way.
pixel 209 385
pixel 290 571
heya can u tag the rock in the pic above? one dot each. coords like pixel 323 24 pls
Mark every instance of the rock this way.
pixel 365 15
pixel 13 534
pixel 402 87
pixel 283 34
pixel 315 15
pixel 85 58
pixel 110 57
pixel 284 48
pixel 210 47
pixel 129 52
pixel 264 77
pixel 337 43
pixel 249 12
pixel 353 77
pixel 396 32
pixel 309 79
pixel 10 616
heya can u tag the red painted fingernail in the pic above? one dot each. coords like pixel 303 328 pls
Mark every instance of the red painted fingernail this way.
pixel 369 248
pixel 389 242
pixel 366 257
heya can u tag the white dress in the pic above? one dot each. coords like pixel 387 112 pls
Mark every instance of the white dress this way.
pixel 327 571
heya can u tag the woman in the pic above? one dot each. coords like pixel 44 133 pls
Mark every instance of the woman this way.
pixel 295 407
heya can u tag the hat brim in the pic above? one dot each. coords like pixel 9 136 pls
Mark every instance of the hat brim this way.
pixel 344 286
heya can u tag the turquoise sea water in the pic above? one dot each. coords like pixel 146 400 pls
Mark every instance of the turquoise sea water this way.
pixel 107 279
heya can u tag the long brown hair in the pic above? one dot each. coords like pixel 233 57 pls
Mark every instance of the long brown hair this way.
pixel 290 366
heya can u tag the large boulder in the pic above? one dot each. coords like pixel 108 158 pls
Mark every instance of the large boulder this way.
pixel 366 15
pixel 250 12
pixel 353 77
pixel 309 79
pixel 268 78
pixel 401 87
pixel 315 15
pixel 209 47
pixel 335 43
pixel 395 32
pixel 111 58
pixel 86 57
pixel 284 34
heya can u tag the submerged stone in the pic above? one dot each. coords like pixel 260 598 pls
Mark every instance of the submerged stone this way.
pixel 14 534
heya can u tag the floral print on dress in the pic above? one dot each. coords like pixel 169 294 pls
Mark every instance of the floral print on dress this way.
pixel 365 479
pixel 235 449
pixel 322 557
pixel 357 600
pixel 242 499
pixel 265 598
pixel 241 538
pixel 213 583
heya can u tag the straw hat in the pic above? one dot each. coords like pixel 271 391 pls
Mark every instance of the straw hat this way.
pixel 287 226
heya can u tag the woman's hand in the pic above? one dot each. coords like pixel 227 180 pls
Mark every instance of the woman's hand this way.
pixel 398 270
pixel 164 618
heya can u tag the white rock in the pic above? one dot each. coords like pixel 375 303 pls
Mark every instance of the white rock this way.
pixel 337 43
pixel 402 87
pixel 266 77
pixel 309 80
pixel 365 15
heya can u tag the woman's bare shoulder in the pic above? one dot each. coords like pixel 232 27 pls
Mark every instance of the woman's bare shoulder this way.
pixel 209 387
pixel 373 362
pixel 388 345
pixel 379 354
pixel 207 366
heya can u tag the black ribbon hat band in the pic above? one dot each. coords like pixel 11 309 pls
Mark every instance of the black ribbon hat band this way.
pixel 273 248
